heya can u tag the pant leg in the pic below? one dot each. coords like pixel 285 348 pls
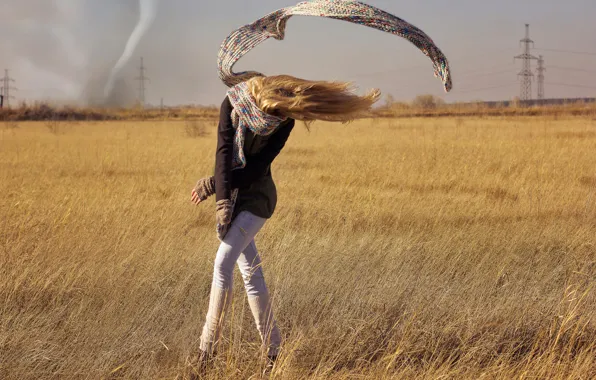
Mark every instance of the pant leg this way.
pixel 251 268
pixel 259 301
pixel 242 231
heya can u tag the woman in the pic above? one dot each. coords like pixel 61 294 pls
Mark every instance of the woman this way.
pixel 256 119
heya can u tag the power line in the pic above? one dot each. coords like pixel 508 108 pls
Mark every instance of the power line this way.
pixel 465 75
pixel 423 67
pixel 526 73
pixel 488 74
pixel 484 88
pixel 410 68
pixel 572 69
pixel 510 65
pixel 571 85
pixel 567 51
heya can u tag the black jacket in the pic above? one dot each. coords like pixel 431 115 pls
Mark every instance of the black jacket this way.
pixel 256 189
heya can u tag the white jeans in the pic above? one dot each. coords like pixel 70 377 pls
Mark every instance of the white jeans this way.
pixel 238 246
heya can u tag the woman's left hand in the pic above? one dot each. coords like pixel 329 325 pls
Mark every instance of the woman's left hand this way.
pixel 194 197
pixel 223 211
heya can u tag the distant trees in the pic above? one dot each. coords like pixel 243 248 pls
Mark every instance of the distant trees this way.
pixel 422 102
pixel 427 102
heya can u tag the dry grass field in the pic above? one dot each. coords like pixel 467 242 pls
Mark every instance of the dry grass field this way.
pixel 436 248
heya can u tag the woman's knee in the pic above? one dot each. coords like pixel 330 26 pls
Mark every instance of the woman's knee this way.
pixel 223 268
pixel 254 282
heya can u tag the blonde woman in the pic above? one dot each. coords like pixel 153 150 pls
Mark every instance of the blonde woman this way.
pixel 256 119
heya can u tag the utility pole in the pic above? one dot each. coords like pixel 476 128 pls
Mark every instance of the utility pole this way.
pixel 541 69
pixel 526 73
pixel 142 78
pixel 7 88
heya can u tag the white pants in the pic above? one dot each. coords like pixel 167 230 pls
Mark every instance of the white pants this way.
pixel 238 246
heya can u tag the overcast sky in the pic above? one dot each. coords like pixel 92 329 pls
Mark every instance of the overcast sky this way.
pixel 62 49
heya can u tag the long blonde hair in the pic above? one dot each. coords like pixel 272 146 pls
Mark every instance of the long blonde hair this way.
pixel 305 100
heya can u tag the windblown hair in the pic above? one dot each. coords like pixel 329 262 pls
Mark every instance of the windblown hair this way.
pixel 305 100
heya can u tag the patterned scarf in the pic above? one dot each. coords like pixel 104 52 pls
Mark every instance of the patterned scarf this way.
pixel 245 115
pixel 243 40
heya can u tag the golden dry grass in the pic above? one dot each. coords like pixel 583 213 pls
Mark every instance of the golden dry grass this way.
pixel 411 248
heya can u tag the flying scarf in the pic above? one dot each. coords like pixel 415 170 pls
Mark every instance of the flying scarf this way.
pixel 243 40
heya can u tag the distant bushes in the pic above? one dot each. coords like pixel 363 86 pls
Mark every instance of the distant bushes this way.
pixel 421 106
pixel 433 106
pixel 427 102
pixel 44 112
pixel 41 111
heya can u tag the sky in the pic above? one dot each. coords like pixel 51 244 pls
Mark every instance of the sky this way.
pixel 63 50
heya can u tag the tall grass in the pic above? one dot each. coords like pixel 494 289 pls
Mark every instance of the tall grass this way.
pixel 400 248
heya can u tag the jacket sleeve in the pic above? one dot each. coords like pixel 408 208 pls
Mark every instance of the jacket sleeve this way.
pixel 256 165
pixel 224 153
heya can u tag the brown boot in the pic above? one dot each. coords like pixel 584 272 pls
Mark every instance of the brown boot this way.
pixel 203 363
pixel 271 359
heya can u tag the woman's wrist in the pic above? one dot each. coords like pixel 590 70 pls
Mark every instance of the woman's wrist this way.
pixel 205 187
pixel 223 211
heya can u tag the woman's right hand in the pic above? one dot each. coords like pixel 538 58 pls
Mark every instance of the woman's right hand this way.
pixel 204 188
